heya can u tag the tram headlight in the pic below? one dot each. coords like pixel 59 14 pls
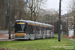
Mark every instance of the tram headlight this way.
pixel 25 34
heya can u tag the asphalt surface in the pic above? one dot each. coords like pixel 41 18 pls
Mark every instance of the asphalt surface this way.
pixel 5 37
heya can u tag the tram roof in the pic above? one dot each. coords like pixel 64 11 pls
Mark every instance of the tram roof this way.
pixel 34 22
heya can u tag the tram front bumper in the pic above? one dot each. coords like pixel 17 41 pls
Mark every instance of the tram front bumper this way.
pixel 19 37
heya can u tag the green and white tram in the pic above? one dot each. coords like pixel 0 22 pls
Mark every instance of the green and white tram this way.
pixel 26 29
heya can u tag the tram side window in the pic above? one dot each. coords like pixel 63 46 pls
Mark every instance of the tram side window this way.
pixel 31 29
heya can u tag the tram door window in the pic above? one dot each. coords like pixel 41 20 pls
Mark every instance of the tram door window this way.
pixel 42 30
pixel 52 31
pixel 29 29
pixel 37 29
pixel 33 29
pixel 45 30
pixel 48 30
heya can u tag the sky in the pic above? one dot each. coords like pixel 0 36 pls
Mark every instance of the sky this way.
pixel 54 4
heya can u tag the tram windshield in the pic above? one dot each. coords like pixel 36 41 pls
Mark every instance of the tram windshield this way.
pixel 20 28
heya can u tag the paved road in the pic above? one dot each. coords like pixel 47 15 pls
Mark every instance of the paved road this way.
pixel 5 36
pixel 7 39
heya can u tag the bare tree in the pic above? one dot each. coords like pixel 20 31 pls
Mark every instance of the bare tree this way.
pixel 19 10
pixel 35 8
pixel 73 13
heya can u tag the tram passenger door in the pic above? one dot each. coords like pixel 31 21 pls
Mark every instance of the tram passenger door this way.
pixel 45 32
pixel 28 32
pixel 48 32
pixel 31 32
pixel 38 32
pixel 52 32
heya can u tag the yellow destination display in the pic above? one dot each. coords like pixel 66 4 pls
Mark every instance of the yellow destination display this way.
pixel 20 23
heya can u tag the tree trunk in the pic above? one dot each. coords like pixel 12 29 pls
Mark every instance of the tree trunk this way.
pixel 7 22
